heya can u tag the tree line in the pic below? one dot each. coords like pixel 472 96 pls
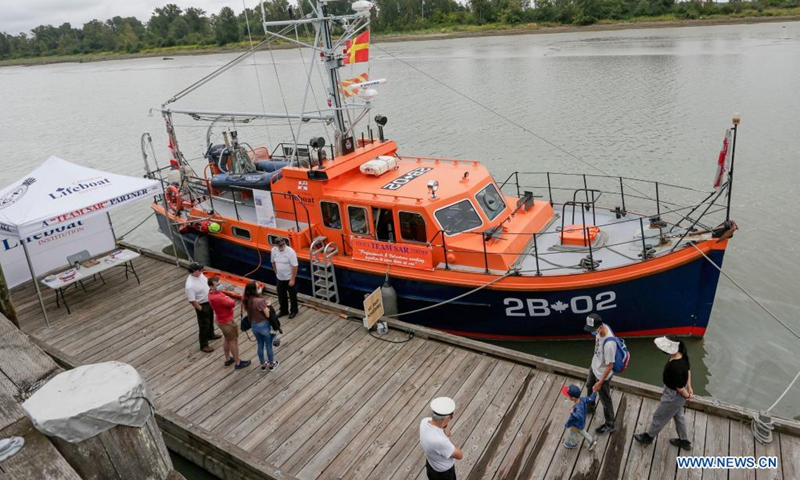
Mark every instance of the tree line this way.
pixel 171 26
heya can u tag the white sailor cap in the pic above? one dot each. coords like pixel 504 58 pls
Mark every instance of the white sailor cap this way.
pixel 443 406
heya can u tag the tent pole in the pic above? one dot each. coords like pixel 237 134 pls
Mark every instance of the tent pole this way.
pixel 111 225
pixel 35 281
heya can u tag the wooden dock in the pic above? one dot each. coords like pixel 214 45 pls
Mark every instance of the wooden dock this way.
pixel 344 404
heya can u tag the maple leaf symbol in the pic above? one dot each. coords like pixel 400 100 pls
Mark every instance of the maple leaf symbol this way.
pixel 559 306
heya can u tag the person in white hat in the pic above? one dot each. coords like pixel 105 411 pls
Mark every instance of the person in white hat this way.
pixel 677 379
pixel 601 370
pixel 434 437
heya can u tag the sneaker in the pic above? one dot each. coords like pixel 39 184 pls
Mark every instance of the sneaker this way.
pixel 644 438
pixel 263 367
pixel 273 365
pixel 593 444
pixel 570 445
pixel 207 349
pixel 604 429
pixel 229 362
pixel 242 364
pixel 682 444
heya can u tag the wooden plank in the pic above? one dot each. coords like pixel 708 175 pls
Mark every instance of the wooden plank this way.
pixel 464 424
pixel 527 445
pixel 790 458
pixel 640 457
pixel 23 364
pixel 698 437
pixel 588 464
pixel 171 389
pixel 303 349
pixel 717 442
pixel 338 438
pixel 332 417
pixel 619 444
pixel 493 457
pixel 742 443
pixel 283 442
pixel 393 415
pixel 772 449
pixel 38 459
pixel 664 454
pixel 401 431
pixel 350 356
pixel 488 433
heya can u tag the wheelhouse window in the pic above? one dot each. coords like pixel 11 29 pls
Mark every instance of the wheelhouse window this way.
pixel 458 217
pixel 331 217
pixel 412 227
pixel 359 224
pixel 491 201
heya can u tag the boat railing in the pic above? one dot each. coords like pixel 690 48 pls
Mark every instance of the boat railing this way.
pixel 644 252
pixel 652 198
pixel 436 160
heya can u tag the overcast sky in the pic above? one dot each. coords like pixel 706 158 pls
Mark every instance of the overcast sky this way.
pixel 23 15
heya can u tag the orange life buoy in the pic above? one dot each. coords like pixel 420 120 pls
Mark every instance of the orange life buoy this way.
pixel 174 200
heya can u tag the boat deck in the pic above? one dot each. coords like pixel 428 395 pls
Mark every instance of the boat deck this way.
pixel 344 404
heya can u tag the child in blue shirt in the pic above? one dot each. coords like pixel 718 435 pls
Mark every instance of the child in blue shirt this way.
pixel 577 418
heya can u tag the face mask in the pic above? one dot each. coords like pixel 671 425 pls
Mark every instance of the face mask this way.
pixel 259 290
pixel 218 287
pixel 595 333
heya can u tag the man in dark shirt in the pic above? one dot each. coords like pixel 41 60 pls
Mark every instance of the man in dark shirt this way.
pixel 677 379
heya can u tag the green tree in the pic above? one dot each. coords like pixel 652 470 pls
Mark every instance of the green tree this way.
pixel 225 27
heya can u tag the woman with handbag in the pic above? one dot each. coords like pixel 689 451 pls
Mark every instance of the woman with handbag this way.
pixel 258 311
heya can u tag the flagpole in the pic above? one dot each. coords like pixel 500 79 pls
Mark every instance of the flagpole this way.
pixel 736 120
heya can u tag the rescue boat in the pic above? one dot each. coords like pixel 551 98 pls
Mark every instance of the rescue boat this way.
pixel 521 259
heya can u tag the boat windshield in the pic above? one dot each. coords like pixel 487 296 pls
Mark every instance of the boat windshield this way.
pixel 458 217
pixel 491 201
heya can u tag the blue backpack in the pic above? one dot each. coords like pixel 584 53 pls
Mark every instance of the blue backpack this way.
pixel 623 355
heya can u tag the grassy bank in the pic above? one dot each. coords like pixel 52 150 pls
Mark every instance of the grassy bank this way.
pixel 449 31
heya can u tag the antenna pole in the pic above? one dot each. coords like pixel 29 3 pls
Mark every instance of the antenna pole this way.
pixel 736 120
pixel 332 64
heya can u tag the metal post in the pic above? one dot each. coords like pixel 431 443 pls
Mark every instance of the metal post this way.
pixel 736 120
pixel 658 202
pixel 35 281
pixel 516 177
pixel 586 190
pixel 536 255
pixel 622 194
pixel 444 247
pixel 294 207
pixel 644 244
pixel 549 189
pixel 485 255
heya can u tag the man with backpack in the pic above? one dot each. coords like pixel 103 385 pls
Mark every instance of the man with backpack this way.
pixel 607 348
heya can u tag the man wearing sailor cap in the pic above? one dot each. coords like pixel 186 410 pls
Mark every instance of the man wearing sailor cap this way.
pixel 434 437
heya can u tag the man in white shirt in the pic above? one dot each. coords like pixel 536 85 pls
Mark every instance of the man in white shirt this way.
pixel 197 293
pixel 284 264
pixel 434 437
pixel 601 371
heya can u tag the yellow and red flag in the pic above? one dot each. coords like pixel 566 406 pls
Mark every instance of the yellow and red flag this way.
pixel 358 50
pixel 349 92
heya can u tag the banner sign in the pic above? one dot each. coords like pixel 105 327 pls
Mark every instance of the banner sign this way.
pixel 49 249
pixel 373 308
pixel 397 254
pixel 265 212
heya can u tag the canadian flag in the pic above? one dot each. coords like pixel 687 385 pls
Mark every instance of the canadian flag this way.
pixel 724 160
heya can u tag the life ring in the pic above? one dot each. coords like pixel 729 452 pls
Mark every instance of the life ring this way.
pixel 174 200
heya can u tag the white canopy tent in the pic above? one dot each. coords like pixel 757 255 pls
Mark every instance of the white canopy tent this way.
pixel 59 193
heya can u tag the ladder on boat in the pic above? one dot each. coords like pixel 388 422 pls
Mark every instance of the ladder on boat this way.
pixel 323 275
